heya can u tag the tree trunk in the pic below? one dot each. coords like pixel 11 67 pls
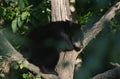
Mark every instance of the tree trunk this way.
pixel 66 63
pixel 60 10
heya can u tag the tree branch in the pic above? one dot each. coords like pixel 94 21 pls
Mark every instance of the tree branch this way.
pixel 110 74
pixel 98 26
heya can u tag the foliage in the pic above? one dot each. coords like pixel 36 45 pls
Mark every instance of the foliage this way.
pixel 84 18
pixel 27 76
pixel 20 14
pixel 94 9
pixel 20 72
pixel 15 13
pixel 42 10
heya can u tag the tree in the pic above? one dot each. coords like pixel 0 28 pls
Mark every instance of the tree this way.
pixel 63 12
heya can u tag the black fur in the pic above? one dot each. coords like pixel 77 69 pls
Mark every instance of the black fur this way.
pixel 49 40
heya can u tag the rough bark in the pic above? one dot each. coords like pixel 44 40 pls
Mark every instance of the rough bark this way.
pixel 110 74
pixel 60 10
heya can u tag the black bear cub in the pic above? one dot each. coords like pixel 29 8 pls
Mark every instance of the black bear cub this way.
pixel 49 40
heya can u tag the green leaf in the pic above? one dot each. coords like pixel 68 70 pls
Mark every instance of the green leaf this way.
pixel 25 76
pixel 25 63
pixel 21 66
pixel 24 15
pixel 37 77
pixel 2 75
pixel 14 25
pixel 19 22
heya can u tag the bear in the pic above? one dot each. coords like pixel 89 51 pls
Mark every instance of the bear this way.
pixel 49 40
